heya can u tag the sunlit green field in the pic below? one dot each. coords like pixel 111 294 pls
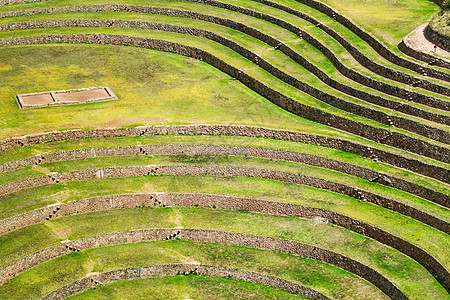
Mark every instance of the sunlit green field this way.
pixel 389 20
pixel 184 287
pixel 161 88
pixel 153 88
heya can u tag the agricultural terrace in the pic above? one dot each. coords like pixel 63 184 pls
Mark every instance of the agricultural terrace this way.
pixel 268 149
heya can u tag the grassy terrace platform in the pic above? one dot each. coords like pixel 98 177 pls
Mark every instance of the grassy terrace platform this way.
pixel 262 49
pixel 163 88
pixel 317 32
pixel 175 287
pixel 413 231
pixel 237 161
pixel 382 258
pixel 272 263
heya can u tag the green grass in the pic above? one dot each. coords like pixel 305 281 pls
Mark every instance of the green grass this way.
pixel 388 20
pixel 235 60
pixel 253 5
pixel 440 22
pixel 283 166
pixel 184 287
pixel 181 90
pixel 347 157
pixel 18 175
pixel 281 86
pixel 275 57
pixel 17 244
pixel 162 88
pixel 325 278
pixel 429 239
pixel 403 271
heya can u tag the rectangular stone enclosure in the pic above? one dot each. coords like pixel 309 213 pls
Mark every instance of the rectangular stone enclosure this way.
pixel 65 97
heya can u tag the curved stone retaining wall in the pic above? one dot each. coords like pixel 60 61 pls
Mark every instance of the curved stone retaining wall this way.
pixel 437 38
pixel 89 282
pixel 132 171
pixel 414 165
pixel 14 2
pixel 198 235
pixel 327 10
pixel 360 57
pixel 366 112
pixel 378 134
pixel 348 72
pixel 226 202
pixel 375 44
pixel 275 154
pixel 406 48
pixel 320 7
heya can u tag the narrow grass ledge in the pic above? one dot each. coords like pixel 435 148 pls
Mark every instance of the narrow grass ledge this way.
pixel 324 278
pixel 257 282
pixel 197 235
pixel 95 208
pixel 425 237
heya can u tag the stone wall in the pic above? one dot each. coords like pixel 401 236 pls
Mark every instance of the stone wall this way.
pixel 356 76
pixel 380 48
pixel 225 202
pixel 438 2
pixel 366 112
pixel 14 2
pixel 360 57
pixel 406 48
pixel 275 154
pixel 437 38
pixel 377 134
pixel 86 283
pixel 198 235
pixel 414 165
pixel 132 171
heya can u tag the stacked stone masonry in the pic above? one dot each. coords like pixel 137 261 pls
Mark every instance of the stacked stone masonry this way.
pixel 225 202
pixel 437 38
pixel 439 173
pixel 378 46
pixel 406 48
pixel 14 2
pixel 366 112
pixel 13 145
pixel 198 235
pixel 154 170
pixel 275 154
pixel 378 134
pixel 438 2
pixel 379 85
pixel 360 57
pixel 86 283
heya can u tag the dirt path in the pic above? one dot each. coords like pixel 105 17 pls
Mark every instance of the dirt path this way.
pixel 417 41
